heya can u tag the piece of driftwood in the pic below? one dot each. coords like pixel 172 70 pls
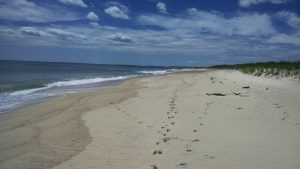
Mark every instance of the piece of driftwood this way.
pixel 215 94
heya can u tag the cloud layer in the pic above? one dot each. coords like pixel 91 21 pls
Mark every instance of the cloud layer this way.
pixel 248 3
pixel 79 3
pixel 23 10
pixel 209 22
pixel 238 36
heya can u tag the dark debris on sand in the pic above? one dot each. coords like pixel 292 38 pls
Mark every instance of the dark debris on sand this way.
pixel 215 94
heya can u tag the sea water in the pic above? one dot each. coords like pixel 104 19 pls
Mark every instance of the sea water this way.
pixel 24 82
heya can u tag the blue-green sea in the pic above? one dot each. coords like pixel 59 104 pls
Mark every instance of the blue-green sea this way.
pixel 23 82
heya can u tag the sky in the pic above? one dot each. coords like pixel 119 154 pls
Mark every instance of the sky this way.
pixel 150 32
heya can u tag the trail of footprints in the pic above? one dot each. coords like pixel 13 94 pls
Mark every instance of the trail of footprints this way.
pixel 166 129
pixel 285 115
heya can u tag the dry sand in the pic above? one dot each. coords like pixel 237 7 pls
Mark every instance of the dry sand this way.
pixel 162 122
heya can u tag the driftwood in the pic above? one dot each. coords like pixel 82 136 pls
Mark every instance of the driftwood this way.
pixel 215 94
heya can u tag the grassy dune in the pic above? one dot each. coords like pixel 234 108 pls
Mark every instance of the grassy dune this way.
pixel 277 69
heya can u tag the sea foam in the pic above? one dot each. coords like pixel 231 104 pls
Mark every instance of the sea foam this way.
pixel 71 83
pixel 154 72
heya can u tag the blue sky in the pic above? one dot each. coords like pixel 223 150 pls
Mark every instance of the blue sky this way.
pixel 150 32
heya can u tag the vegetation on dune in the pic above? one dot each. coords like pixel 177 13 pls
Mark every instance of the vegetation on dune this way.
pixel 278 69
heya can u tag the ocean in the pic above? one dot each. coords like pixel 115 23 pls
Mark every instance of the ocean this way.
pixel 25 82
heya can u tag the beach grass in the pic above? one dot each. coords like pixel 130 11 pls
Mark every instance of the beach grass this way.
pixel 278 69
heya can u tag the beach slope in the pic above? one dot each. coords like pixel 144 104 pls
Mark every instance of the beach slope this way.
pixel 194 119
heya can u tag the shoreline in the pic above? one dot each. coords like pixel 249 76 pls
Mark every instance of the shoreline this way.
pixel 102 86
pixel 28 120
pixel 134 125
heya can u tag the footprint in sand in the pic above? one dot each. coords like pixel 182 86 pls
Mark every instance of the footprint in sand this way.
pixel 157 152
pixel 166 139
pixel 181 164
pixel 209 156
pixel 195 140
pixel 277 105
pixel 154 166
pixel 285 116
pixel 209 103
pixel 188 148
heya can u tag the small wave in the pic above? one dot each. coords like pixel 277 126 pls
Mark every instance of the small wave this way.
pixel 22 92
pixel 4 88
pixel 71 83
pixel 86 81
pixel 154 72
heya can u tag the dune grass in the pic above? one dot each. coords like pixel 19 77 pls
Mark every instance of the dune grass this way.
pixel 278 69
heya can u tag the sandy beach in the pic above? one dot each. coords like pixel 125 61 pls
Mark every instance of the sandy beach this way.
pixel 210 119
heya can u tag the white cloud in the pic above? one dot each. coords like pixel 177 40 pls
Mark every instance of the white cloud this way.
pixel 95 24
pixel 31 31
pixel 210 22
pixel 120 37
pixel 92 16
pixel 64 34
pixel 23 10
pixel 192 11
pixel 285 39
pixel 117 12
pixel 79 3
pixel 52 31
pixel 161 7
pixel 290 18
pixel 248 3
